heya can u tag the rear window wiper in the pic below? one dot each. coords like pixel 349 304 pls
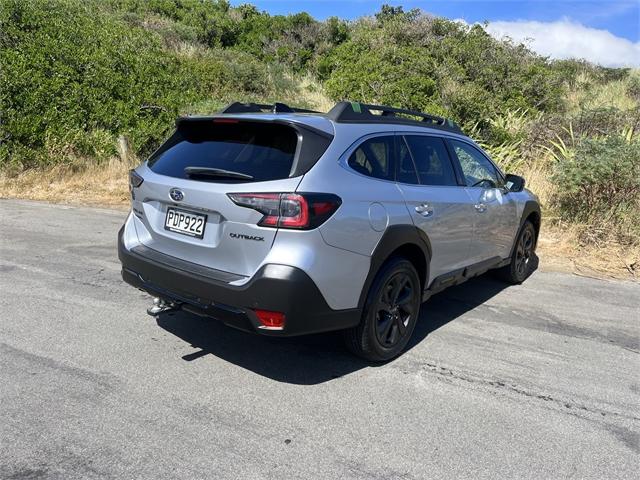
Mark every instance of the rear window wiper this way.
pixel 215 173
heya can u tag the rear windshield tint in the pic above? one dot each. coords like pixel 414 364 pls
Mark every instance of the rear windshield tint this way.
pixel 265 151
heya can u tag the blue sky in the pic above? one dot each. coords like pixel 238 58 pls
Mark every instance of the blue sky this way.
pixel 603 31
pixel 620 17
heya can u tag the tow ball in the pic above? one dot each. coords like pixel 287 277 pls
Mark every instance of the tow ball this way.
pixel 160 306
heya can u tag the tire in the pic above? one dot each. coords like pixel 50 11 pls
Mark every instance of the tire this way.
pixel 390 313
pixel 524 260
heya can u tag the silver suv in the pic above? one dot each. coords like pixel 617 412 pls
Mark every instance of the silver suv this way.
pixel 285 222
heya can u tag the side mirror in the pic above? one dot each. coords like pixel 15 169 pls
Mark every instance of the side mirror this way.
pixel 514 183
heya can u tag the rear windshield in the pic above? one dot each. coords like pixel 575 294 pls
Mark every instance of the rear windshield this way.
pixel 265 151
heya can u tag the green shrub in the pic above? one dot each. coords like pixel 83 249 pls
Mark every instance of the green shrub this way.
pixel 633 86
pixel 416 61
pixel 67 70
pixel 75 76
pixel 600 184
pixel 386 74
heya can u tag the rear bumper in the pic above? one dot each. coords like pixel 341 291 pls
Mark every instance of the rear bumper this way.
pixel 279 288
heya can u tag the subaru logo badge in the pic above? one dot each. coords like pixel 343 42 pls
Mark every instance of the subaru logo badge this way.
pixel 176 194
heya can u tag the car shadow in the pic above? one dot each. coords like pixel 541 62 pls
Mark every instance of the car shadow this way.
pixel 313 359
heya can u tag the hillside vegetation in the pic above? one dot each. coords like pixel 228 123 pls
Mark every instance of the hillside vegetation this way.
pixel 87 87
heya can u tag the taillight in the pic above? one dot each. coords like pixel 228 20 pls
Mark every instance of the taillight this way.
pixel 135 181
pixel 290 210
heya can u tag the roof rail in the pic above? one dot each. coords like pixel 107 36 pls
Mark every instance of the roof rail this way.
pixel 277 107
pixel 356 112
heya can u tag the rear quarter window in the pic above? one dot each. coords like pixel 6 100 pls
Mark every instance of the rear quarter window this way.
pixel 265 151
pixel 374 158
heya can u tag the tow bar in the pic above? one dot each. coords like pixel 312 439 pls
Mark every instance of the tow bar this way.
pixel 160 306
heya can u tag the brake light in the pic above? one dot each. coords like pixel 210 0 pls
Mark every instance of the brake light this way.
pixel 302 211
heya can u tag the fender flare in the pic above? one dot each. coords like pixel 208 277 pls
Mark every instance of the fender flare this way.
pixel 531 206
pixel 394 237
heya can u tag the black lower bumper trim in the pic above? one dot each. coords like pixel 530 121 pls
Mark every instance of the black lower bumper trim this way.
pixel 279 288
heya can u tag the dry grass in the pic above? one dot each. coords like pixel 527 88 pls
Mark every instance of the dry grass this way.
pixel 98 185
pixel 538 180
pixel 560 248
pixel 613 94
pixel 106 186
pixel 313 94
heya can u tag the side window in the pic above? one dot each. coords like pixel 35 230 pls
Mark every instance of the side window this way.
pixel 374 158
pixel 432 160
pixel 477 170
pixel 406 167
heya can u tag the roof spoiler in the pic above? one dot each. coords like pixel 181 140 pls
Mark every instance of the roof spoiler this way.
pixel 277 107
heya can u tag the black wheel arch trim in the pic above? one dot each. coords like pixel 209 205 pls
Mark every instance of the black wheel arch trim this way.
pixel 531 206
pixel 395 237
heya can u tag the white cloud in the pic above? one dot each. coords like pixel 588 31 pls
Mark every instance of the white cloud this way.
pixel 567 39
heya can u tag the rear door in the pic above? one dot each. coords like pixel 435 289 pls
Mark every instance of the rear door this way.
pixel 437 203
pixel 183 202
pixel 494 210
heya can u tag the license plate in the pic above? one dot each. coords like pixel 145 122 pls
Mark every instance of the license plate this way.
pixel 186 223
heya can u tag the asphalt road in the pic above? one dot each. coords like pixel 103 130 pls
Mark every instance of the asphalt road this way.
pixel 540 380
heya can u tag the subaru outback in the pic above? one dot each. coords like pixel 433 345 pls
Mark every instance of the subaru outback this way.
pixel 284 221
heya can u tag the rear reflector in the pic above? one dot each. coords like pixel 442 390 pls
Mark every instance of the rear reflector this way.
pixel 301 211
pixel 270 320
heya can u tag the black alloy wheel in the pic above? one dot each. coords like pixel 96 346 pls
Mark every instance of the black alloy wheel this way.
pixel 523 260
pixel 524 252
pixel 390 313
pixel 394 309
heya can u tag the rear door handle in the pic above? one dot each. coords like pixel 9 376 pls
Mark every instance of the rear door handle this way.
pixel 424 209
pixel 480 207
